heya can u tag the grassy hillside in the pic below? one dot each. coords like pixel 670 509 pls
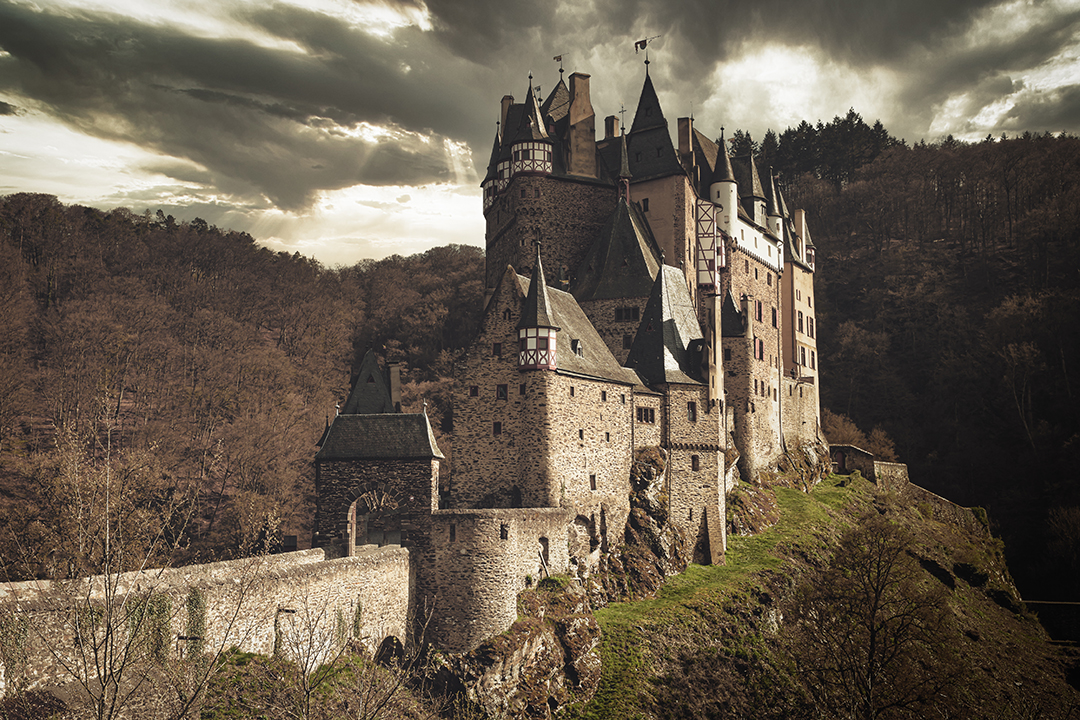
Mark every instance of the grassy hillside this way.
pixel 724 642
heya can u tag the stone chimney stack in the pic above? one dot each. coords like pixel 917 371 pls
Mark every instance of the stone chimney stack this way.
pixel 395 385
pixel 686 145
pixel 507 101
pixel 611 127
pixel 582 159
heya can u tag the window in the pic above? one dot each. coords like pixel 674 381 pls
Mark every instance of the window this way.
pixel 592 482
pixel 504 532
pixel 809 301
pixel 453 533
pixel 768 277
pixel 571 391
pixel 774 395
pixel 659 151
pixel 580 434
pixel 747 262
pixel 695 463
pixel 802 356
pixel 522 192
pixel 496 349
pixel 577 347
pixel 521 389
pixel 756 391
pixel 536 192
pixel 627 314
pixel 800 321
pixel 603 396
pixel 646 415
pixel 496 428
pixel 627 342
pixel 755 273
pixel 759 349
pixel 607 437
pixel 758 308
pixel 622 398
pixel 727 354
pixel 774 317
pixel 474 391
pixel 645 204
pixel 811 359
pixel 810 326
pixel 501 392
pixel 798 294
pixel 691 411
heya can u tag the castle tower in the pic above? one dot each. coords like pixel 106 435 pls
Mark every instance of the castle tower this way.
pixel 723 190
pixel 753 195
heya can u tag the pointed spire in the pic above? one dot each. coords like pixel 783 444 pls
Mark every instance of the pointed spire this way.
pixel 649 114
pixel 772 206
pixel 668 325
pixel 531 126
pixel 624 159
pixel 754 190
pixel 493 160
pixel 722 172
pixel 537 312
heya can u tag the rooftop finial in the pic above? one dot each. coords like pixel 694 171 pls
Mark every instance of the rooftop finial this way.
pixel 558 59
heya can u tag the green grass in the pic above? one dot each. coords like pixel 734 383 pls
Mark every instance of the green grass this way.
pixel 805 520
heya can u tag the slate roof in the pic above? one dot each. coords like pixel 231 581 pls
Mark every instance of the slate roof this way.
pixel 722 170
pixel 622 262
pixel 557 104
pixel 731 318
pixel 371 392
pixel 649 114
pixel 668 326
pixel 531 125
pixel 746 174
pixel 537 312
pixel 493 160
pixel 391 436
pixel 772 204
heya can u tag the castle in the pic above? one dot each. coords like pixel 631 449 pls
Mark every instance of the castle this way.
pixel 639 294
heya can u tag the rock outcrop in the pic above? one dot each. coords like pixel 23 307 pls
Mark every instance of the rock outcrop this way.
pixel 546 660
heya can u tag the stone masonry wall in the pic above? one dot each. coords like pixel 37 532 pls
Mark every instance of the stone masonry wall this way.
pixel 485 557
pixel 648 434
pixel 602 315
pixel 799 412
pixel 256 604
pixel 565 214
pixel 696 495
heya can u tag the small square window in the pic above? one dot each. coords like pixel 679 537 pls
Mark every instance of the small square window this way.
pixel 627 342
pixel 496 349
pixel 496 428
pixel 695 463
pixel 727 354
pixel 474 391
pixel 501 392
pixel 521 389
pixel 504 532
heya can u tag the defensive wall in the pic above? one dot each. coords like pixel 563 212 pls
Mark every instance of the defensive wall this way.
pixel 893 478
pixel 299 604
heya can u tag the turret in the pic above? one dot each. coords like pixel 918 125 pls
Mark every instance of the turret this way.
pixel 490 184
pixel 537 329
pixel 531 148
pixel 723 190
pixel 753 195
pixel 773 213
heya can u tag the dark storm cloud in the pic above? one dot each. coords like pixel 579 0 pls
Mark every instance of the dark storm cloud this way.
pixel 256 117
pixel 1052 111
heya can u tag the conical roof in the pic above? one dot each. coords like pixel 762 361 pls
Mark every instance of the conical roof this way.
pixel 622 262
pixel 624 159
pixel 531 125
pixel 493 160
pixel 668 325
pixel 772 204
pixel 537 312
pixel 722 171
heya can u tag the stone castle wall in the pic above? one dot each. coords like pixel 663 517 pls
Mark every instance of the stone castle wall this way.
pixel 485 557
pixel 613 332
pixel 565 214
pixel 299 603
pixel 799 412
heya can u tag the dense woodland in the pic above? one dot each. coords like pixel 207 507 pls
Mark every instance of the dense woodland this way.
pixel 193 370
pixel 183 374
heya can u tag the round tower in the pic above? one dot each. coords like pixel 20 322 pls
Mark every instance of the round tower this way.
pixel 537 329
pixel 723 190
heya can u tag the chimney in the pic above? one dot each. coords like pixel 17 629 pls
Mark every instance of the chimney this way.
pixel 611 127
pixel 686 146
pixel 582 160
pixel 507 101
pixel 395 385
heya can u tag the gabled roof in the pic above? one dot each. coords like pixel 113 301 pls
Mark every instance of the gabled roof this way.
pixel 557 104
pixel 371 392
pixel 731 318
pixel 493 160
pixel 668 326
pixel 537 312
pixel 622 262
pixel 746 174
pixel 395 436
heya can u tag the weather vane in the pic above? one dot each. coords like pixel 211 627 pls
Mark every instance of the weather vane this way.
pixel 644 45
pixel 558 59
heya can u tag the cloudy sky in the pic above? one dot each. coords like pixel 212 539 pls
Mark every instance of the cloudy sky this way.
pixel 347 129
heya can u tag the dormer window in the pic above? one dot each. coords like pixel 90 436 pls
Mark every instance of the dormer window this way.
pixel 577 347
